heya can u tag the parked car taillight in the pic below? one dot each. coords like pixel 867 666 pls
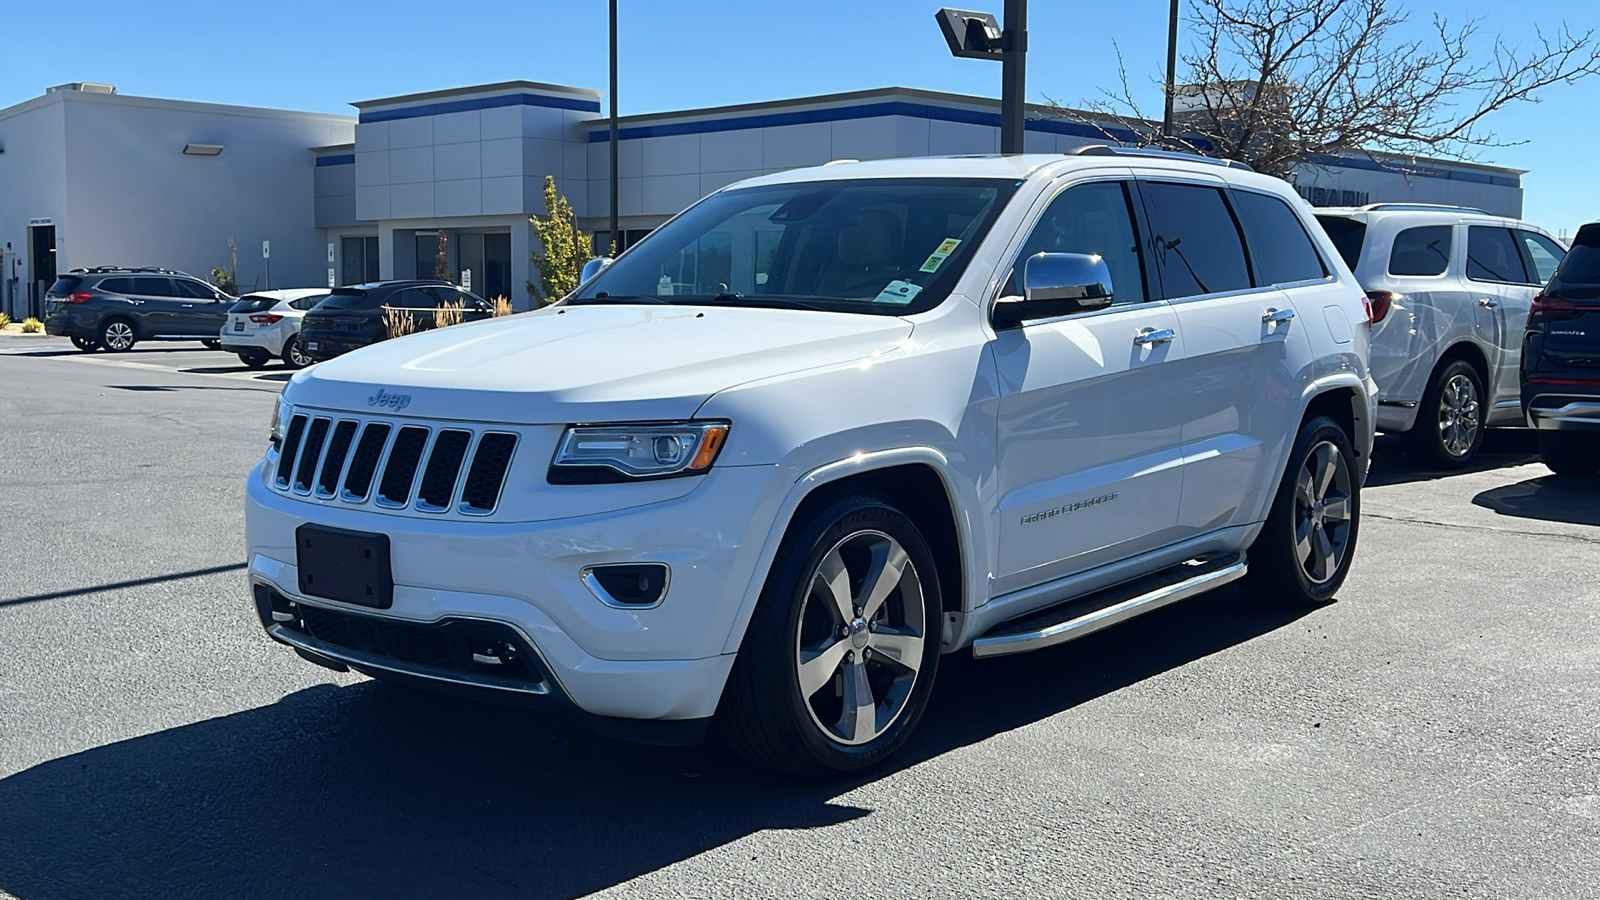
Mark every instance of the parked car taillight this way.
pixel 265 318
pixel 1546 307
pixel 1378 303
pixel 78 297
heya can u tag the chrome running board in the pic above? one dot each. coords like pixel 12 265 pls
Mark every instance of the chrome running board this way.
pixel 1086 615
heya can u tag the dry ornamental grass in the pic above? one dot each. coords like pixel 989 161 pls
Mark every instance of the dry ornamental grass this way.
pixel 398 322
pixel 447 315
pixel 502 306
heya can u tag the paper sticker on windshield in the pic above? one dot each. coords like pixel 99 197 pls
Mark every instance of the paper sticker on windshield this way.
pixel 936 259
pixel 898 292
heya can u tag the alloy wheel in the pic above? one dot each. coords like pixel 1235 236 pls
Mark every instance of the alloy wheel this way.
pixel 118 336
pixel 1322 510
pixel 297 354
pixel 1459 419
pixel 861 637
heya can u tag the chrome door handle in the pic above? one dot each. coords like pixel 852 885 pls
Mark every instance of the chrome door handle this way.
pixel 136 302
pixel 1488 303
pixel 1151 336
pixel 188 306
pixel 1273 315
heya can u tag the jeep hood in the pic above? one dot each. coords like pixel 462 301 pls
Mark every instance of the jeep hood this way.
pixel 589 363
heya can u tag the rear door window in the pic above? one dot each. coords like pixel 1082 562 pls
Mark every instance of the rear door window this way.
pixel 1421 251
pixel 1544 255
pixel 155 287
pixel 1492 255
pixel 307 302
pixel 1280 249
pixel 1347 235
pixel 1197 243
pixel 117 285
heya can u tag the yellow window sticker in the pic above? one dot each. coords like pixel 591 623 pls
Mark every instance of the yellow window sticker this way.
pixel 898 292
pixel 937 257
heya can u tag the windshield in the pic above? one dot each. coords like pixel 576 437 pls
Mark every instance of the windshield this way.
pixel 889 246
pixel 1347 236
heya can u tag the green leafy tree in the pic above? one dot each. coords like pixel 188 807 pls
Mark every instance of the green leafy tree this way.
pixel 562 250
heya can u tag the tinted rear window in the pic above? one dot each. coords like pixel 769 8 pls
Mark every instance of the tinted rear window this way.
pixel 350 300
pixel 1197 244
pixel 117 285
pixel 66 284
pixel 1421 251
pixel 1347 236
pixel 253 304
pixel 1279 246
pixel 1582 263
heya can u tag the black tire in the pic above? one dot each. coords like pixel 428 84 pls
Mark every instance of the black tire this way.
pixel 211 344
pixel 1280 570
pixel 118 335
pixel 765 713
pixel 1572 454
pixel 1449 429
pixel 255 359
pixel 87 345
pixel 294 356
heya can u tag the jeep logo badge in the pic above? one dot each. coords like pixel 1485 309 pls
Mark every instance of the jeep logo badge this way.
pixel 393 401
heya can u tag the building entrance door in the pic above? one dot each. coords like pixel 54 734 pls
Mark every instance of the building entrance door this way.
pixel 42 241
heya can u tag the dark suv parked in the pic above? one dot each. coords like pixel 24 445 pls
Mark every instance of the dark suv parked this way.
pixel 355 316
pixel 1561 361
pixel 115 308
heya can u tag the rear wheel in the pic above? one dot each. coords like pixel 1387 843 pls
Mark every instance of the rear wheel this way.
pixel 839 658
pixel 255 359
pixel 87 345
pixel 1570 453
pixel 294 355
pixel 1449 427
pixel 118 336
pixel 1304 550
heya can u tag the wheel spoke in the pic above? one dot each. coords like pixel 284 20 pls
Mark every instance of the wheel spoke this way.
pixel 819 669
pixel 1336 508
pixel 859 720
pixel 1324 554
pixel 1302 489
pixel 888 567
pixel 835 579
pixel 1302 540
pixel 1327 462
pixel 905 650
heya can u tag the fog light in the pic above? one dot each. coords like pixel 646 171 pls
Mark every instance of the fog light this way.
pixel 628 585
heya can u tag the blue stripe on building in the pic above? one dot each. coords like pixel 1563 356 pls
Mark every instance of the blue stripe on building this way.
pixel 1367 165
pixel 471 103
pixel 343 159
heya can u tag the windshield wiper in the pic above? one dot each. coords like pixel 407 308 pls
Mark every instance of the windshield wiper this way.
pixel 732 298
pixel 604 298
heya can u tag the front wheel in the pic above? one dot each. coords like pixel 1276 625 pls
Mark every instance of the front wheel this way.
pixel 839 658
pixel 1570 453
pixel 1304 550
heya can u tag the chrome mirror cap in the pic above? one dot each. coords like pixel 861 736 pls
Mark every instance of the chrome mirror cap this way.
pixel 1067 276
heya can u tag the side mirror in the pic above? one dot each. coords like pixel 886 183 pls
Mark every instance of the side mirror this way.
pixel 594 267
pixel 1056 284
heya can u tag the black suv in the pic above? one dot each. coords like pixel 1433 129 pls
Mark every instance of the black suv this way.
pixel 1561 361
pixel 358 315
pixel 115 308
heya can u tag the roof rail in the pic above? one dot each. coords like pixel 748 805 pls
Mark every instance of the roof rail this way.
pixel 1156 152
pixel 101 270
pixel 1423 207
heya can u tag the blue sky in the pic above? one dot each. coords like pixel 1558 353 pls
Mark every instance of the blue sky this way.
pixel 676 54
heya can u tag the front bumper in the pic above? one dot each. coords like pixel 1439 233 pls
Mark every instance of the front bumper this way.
pixel 661 663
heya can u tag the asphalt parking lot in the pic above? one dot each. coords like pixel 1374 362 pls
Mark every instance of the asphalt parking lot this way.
pixel 1433 733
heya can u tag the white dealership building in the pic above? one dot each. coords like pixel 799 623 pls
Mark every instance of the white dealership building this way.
pixel 92 177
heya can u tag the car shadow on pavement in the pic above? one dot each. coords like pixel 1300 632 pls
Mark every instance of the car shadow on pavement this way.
pixel 1551 498
pixel 375 791
pixel 1502 448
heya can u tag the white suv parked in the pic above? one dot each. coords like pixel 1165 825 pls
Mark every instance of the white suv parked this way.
pixel 1450 289
pixel 822 427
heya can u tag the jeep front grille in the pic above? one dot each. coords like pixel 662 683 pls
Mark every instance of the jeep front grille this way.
pixel 433 470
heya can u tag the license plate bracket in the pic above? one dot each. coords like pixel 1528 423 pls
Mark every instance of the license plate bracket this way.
pixel 238 326
pixel 343 565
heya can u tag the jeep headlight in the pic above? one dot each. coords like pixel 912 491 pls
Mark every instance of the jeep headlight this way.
pixel 598 454
pixel 280 415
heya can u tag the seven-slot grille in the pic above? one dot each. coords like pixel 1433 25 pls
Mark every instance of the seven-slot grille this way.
pixel 394 466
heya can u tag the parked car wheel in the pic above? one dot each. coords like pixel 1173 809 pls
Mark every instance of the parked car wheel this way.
pixel 87 345
pixel 839 658
pixel 1570 453
pixel 294 355
pixel 118 336
pixel 1449 427
pixel 1304 550
pixel 212 344
pixel 255 359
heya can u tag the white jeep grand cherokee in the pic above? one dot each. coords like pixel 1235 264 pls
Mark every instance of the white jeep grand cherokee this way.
pixel 821 428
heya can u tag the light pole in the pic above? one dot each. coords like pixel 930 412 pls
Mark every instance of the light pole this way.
pixel 1172 68
pixel 977 35
pixel 616 242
